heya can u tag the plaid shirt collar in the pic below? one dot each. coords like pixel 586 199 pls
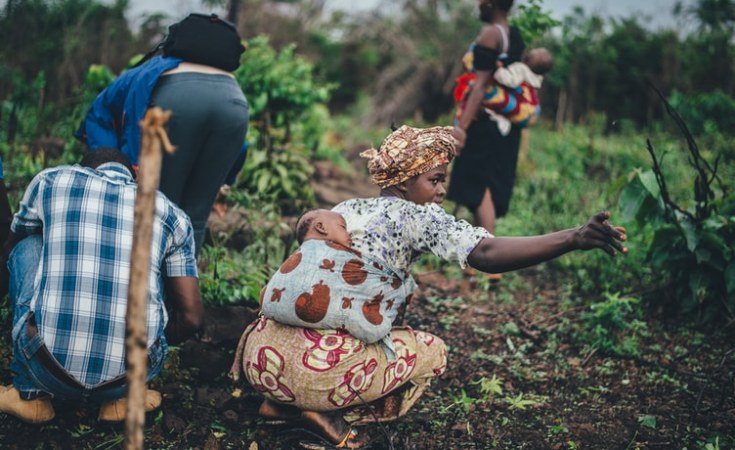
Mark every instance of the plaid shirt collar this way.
pixel 115 171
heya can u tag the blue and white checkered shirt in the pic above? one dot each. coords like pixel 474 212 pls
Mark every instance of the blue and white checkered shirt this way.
pixel 81 287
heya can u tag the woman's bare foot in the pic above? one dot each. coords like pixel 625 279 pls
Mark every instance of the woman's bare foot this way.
pixel 494 277
pixel 273 410
pixel 333 427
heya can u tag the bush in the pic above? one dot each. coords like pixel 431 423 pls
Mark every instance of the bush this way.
pixel 288 120
pixel 693 248
pixel 706 112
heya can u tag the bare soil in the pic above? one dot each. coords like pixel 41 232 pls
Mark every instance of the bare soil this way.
pixel 554 393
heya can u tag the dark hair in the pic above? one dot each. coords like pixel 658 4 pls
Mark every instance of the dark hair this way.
pixel 303 225
pixel 505 5
pixel 97 157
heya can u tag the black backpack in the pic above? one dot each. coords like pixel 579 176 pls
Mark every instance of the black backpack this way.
pixel 202 39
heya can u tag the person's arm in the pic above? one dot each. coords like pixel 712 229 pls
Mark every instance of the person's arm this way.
pixel 102 126
pixel 10 243
pixel 502 254
pixel 6 215
pixel 489 38
pixel 186 311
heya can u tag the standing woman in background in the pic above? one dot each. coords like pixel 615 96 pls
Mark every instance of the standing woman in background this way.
pixel 484 170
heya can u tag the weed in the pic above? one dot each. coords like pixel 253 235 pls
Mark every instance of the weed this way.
pixel 463 400
pixel 606 368
pixel 511 328
pixel 113 442
pixel 448 320
pixel 558 429
pixel 518 402
pixel 481 331
pixel 647 421
pixel 491 387
pixel 612 325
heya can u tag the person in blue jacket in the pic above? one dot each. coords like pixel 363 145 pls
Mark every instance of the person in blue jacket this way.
pixel 208 127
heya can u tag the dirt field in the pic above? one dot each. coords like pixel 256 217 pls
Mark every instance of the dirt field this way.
pixel 515 339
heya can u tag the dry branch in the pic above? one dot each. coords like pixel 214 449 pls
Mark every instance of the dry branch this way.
pixel 153 137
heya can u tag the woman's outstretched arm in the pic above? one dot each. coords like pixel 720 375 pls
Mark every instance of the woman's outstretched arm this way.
pixel 503 254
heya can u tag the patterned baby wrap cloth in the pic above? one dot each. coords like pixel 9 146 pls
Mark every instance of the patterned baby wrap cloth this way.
pixel 329 286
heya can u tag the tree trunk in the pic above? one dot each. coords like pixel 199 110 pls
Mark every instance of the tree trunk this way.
pixel 136 341
pixel 233 11
pixel 561 109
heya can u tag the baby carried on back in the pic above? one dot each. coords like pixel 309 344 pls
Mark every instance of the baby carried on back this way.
pixel 326 284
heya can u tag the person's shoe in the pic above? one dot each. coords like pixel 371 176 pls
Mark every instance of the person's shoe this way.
pixel 114 411
pixel 39 410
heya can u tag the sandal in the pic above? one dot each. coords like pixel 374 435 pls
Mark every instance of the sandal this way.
pixel 330 427
pixel 350 441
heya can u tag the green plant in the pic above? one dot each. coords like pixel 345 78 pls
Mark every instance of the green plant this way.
pixel 532 21
pixel 229 275
pixel 692 247
pixel 712 444
pixel 281 177
pixel 647 421
pixel 705 112
pixel 612 325
pixel 518 402
pixel 288 120
pixel 490 387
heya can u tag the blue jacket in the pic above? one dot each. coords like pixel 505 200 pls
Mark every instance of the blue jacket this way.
pixel 113 120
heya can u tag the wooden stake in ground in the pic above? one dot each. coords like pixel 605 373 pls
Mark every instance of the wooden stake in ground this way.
pixel 153 137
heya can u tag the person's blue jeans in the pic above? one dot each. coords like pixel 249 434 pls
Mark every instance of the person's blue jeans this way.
pixel 32 379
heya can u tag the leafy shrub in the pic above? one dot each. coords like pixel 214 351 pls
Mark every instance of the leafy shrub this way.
pixel 694 257
pixel 613 325
pixel 288 120
pixel 693 247
pixel 228 275
pixel 705 112
pixel 532 21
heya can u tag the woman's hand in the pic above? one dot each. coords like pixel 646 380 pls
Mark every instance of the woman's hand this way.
pixel 598 232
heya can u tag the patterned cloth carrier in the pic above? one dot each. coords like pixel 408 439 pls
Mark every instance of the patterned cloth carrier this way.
pixel 329 286
pixel 520 104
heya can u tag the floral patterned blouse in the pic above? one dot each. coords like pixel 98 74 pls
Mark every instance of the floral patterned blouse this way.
pixel 398 231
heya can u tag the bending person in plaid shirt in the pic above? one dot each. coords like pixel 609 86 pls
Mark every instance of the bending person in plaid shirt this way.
pixel 71 243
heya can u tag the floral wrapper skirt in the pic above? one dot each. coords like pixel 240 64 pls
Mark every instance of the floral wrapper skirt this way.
pixel 328 370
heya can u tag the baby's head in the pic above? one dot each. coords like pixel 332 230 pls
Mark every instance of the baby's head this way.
pixel 539 60
pixel 324 225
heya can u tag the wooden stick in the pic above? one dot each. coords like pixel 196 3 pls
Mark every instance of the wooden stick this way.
pixel 153 136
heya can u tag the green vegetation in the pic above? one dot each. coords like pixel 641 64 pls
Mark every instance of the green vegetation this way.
pixel 606 141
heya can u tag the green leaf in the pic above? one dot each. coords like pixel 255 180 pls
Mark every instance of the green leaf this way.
pixel 263 181
pixel 640 199
pixel 631 199
pixel 649 181
pixel 664 244
pixel 647 421
pixel 690 233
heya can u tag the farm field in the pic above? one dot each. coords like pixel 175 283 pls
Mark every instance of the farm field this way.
pixel 519 376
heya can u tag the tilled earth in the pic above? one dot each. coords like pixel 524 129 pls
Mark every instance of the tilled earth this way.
pixel 550 391
pixel 520 377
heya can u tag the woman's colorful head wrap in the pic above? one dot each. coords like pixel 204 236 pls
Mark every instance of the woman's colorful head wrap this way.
pixel 408 152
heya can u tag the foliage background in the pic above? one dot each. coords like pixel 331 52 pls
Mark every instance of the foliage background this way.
pixel 325 86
